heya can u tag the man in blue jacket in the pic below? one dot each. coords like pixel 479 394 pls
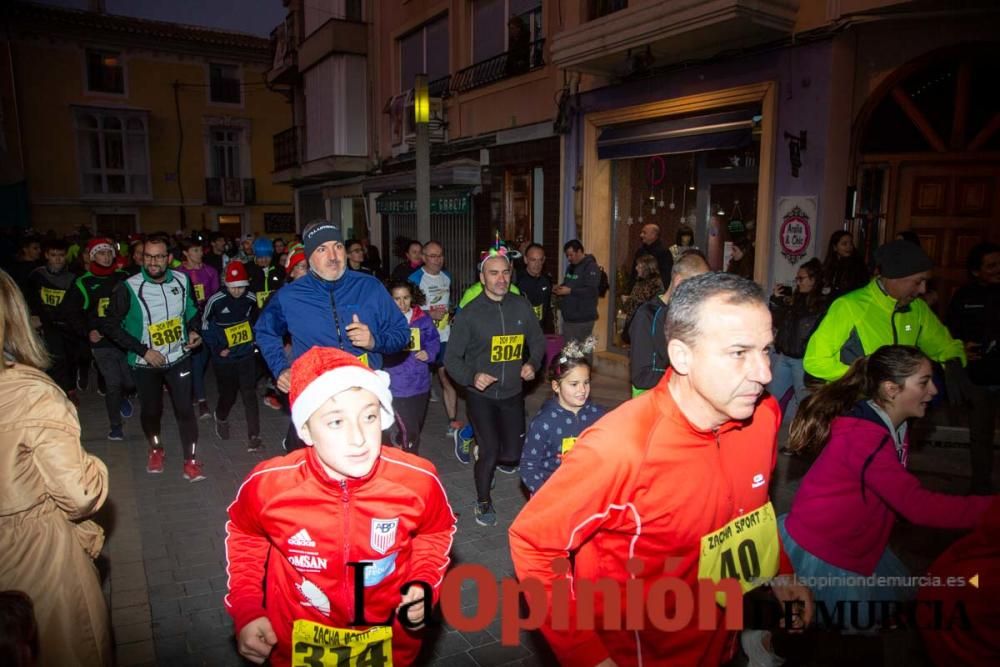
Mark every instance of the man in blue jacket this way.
pixel 329 307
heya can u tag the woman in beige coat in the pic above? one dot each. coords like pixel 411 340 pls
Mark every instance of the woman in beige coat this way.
pixel 48 485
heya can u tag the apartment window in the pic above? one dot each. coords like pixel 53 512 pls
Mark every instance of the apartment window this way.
pixel 224 83
pixel 105 72
pixel 226 152
pixel 491 26
pixel 114 156
pixel 425 50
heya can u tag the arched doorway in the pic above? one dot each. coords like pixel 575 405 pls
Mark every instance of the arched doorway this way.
pixel 926 147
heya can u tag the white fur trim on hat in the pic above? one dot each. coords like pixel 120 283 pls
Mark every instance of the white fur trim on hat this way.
pixel 341 379
pixel 99 247
pixel 237 283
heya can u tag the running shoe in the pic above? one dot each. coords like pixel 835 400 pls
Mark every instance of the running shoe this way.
pixel 272 402
pixel 125 410
pixel 221 428
pixel 508 470
pixel 752 642
pixel 116 433
pixel 192 471
pixel 154 464
pixel 203 410
pixel 463 438
pixel 255 444
pixel 453 425
pixel 485 514
pixel 82 380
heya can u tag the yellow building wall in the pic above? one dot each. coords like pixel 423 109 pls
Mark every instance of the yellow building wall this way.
pixel 50 79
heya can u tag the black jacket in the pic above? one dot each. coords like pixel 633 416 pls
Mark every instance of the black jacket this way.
pixel 494 337
pixel 648 352
pixel 538 291
pixel 95 297
pixel 50 297
pixel 795 322
pixel 974 317
pixel 222 312
pixel 264 282
pixel 583 280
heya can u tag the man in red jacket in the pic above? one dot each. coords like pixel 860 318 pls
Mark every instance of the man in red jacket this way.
pixel 320 542
pixel 674 481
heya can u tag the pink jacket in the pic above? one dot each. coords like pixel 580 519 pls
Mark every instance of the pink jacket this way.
pixel 845 509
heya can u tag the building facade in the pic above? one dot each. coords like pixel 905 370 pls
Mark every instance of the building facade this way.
pixel 121 125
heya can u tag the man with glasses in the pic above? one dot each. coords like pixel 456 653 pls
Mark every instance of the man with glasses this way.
pixel 153 316
pixel 356 256
pixel 435 283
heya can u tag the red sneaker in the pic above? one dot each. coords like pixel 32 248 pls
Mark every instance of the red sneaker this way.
pixel 155 463
pixel 272 402
pixel 192 471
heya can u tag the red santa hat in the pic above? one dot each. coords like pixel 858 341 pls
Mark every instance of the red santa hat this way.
pixel 323 372
pixel 295 255
pixel 236 275
pixel 97 244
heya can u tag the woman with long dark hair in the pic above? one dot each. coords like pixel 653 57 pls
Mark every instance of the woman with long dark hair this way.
pixel 796 314
pixel 844 269
pixel 837 532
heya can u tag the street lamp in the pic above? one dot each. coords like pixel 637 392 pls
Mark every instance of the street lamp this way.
pixel 421 118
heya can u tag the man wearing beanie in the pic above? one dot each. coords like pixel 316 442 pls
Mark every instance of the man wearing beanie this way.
pixel 329 307
pixel 265 276
pixel 228 330
pixel 343 509
pixel 93 294
pixel 886 311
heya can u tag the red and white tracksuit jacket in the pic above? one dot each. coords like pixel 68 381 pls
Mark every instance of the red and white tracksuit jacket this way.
pixel 295 528
pixel 644 483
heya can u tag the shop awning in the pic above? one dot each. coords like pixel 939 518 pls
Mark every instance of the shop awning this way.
pixel 445 201
pixel 708 132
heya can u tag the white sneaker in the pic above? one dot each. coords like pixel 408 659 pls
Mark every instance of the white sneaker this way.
pixel 752 642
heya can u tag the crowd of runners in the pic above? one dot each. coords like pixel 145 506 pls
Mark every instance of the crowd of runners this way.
pixel 338 542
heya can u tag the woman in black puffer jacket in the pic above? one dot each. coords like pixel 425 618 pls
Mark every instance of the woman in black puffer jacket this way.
pixel 796 316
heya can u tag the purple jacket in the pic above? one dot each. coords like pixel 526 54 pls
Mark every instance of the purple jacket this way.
pixel 207 277
pixel 848 502
pixel 409 376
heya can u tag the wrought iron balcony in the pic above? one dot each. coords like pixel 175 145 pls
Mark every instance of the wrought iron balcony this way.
pixel 504 66
pixel 439 87
pixel 288 148
pixel 230 191
pixel 284 47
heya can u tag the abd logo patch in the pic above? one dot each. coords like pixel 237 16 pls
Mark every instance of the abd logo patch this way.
pixel 383 534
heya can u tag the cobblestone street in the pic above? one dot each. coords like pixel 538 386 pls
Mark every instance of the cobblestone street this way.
pixel 163 565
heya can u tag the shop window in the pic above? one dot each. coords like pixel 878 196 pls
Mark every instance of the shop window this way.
pixel 105 72
pixel 224 84
pixel 113 152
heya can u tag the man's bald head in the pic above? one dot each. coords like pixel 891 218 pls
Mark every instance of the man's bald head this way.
pixel 691 263
pixel 650 233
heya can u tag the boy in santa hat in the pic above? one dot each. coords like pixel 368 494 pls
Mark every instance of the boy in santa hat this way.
pixel 228 323
pixel 339 526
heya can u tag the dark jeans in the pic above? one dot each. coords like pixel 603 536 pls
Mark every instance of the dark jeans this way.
pixel 982 426
pixel 199 362
pixel 149 383
pixel 499 429
pixel 117 380
pixel 411 411
pixel 64 348
pixel 238 377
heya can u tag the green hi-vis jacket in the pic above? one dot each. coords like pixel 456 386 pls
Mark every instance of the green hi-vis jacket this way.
pixel 862 321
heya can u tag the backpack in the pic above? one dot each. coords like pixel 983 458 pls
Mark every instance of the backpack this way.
pixel 604 285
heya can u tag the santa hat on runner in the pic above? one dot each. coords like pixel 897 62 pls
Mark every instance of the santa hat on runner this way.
pixel 97 244
pixel 323 372
pixel 296 254
pixel 236 275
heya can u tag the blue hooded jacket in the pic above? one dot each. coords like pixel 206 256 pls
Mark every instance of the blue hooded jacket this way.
pixel 317 312
pixel 543 444
pixel 409 376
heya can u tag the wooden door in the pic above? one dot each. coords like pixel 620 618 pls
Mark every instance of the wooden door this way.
pixel 951 207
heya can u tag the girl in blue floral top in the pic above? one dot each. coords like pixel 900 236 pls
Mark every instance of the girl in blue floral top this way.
pixel 561 419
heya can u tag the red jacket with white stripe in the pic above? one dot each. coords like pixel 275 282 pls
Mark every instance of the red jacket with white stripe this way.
pixel 644 483
pixel 295 528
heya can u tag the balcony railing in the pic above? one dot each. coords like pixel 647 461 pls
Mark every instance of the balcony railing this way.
pixel 287 148
pixel 506 65
pixel 230 191
pixel 439 87
pixel 284 43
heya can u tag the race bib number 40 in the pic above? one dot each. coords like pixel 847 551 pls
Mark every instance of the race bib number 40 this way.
pixel 507 348
pixel 745 549
pixel 167 332
pixel 316 645
pixel 52 297
pixel 238 334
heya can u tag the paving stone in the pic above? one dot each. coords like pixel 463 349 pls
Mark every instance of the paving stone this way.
pixel 496 653
pixel 136 653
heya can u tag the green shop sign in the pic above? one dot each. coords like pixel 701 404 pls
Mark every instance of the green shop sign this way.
pixel 451 204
